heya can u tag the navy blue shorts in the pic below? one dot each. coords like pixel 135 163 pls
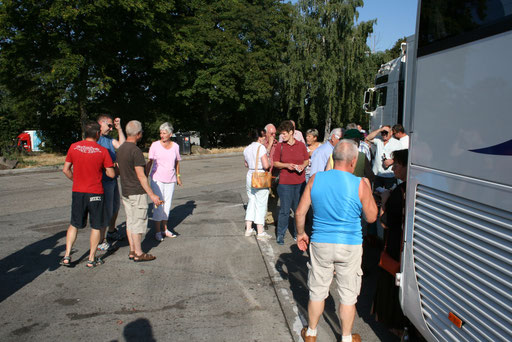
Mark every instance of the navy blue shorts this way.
pixel 83 204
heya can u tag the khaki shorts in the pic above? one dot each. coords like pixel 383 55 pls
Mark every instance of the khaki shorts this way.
pixel 136 208
pixel 345 260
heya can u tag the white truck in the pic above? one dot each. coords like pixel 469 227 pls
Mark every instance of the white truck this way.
pixel 384 102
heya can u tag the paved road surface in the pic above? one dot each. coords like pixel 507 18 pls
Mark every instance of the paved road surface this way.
pixel 209 284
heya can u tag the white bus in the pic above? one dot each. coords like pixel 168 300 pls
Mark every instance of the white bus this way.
pixel 456 273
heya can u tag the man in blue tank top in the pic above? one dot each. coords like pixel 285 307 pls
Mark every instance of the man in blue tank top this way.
pixel 338 199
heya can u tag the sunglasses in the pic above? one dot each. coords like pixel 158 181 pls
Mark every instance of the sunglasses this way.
pixel 384 133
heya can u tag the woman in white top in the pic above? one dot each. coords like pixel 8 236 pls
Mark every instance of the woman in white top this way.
pixel 257 205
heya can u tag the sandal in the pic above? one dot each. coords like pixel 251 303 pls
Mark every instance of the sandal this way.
pixel 131 255
pixel 66 261
pixel 144 257
pixel 94 263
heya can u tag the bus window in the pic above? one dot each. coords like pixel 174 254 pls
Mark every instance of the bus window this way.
pixel 445 24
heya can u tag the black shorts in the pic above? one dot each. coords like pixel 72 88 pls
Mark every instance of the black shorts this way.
pixel 83 204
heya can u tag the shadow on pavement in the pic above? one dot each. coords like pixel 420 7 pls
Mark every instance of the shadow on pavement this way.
pixel 22 267
pixel 297 275
pixel 177 215
pixel 138 330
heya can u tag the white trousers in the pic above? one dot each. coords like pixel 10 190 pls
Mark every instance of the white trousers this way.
pixel 165 192
pixel 257 205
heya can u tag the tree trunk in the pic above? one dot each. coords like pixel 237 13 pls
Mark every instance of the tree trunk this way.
pixel 82 98
pixel 328 122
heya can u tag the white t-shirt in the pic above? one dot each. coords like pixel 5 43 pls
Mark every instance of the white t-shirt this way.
pixel 386 150
pixel 405 142
pixel 250 157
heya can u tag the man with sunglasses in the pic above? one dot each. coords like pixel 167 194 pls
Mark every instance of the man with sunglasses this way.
pixel 385 145
pixel 110 186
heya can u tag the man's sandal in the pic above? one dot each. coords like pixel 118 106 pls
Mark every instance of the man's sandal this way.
pixel 144 257
pixel 94 263
pixel 131 255
pixel 66 261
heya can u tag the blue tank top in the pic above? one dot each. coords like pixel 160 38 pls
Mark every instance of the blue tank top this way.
pixel 106 142
pixel 336 208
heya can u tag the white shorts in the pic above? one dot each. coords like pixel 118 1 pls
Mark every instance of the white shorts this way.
pixel 165 192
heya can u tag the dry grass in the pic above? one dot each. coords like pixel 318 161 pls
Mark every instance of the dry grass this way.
pixel 52 159
pixel 226 150
pixel 42 159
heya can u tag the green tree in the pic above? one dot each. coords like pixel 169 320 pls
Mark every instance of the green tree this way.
pixel 326 74
pixel 65 61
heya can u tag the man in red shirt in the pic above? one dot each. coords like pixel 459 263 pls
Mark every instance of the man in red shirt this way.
pixel 84 165
pixel 291 158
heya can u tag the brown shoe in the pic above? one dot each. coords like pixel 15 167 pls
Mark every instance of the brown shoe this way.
pixel 356 338
pixel 309 338
pixel 144 257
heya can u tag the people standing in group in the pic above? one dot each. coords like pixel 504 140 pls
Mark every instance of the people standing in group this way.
pixel 312 144
pixel 338 198
pixel 135 189
pixel 256 160
pixel 110 185
pixel 84 165
pixel 297 135
pixel 386 304
pixel 385 145
pixel 291 158
pixel 320 156
pixel 164 170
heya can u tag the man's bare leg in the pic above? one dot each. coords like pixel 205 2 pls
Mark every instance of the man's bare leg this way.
pixel 347 315
pixel 130 240
pixel 70 239
pixel 94 241
pixel 315 310
pixel 137 239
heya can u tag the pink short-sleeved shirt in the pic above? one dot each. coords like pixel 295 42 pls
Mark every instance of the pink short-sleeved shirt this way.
pixel 164 162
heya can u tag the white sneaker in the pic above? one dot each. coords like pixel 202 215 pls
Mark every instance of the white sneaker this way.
pixel 264 236
pixel 103 246
pixel 158 237
pixel 250 232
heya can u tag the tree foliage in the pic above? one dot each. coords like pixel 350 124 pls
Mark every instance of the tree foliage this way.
pixel 219 67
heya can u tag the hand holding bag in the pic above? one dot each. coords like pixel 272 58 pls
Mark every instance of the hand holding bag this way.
pixel 260 180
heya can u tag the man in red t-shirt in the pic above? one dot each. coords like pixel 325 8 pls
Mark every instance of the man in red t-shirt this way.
pixel 84 165
pixel 291 158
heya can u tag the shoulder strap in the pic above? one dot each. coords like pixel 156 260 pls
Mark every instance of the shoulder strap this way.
pixel 257 159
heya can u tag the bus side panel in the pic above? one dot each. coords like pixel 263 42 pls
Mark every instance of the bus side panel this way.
pixel 457 257
pixel 462 118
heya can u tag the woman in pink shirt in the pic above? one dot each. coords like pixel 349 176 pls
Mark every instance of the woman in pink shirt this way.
pixel 164 160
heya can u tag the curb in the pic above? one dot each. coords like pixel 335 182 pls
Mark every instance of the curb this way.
pixel 46 169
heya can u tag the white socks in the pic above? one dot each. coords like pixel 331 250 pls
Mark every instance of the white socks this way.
pixel 346 338
pixel 311 332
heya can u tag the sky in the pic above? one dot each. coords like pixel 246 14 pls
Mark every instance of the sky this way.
pixel 395 19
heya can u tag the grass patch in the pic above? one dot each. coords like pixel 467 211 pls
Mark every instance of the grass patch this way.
pixel 53 159
pixel 41 159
